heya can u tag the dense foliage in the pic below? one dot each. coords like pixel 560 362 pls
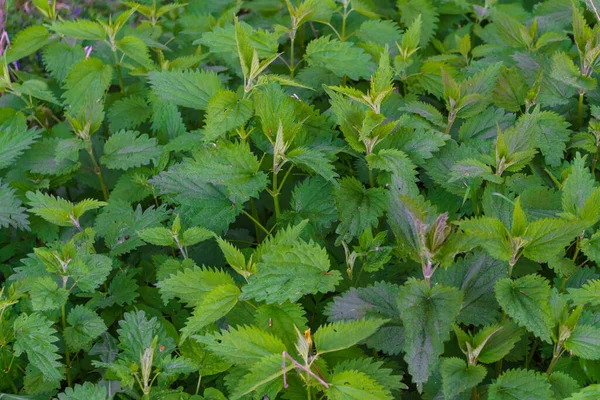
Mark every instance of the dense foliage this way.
pixel 359 199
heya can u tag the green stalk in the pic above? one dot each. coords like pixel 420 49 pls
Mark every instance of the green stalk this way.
pixel 292 58
pixel 371 180
pixel 580 110
pixel 98 171
pixel 255 220
pixel 275 194
pixel 67 353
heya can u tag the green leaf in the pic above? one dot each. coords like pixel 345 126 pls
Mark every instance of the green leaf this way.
pixel 157 236
pixel 15 139
pixel 548 237
pixel 119 222
pixel 195 235
pixel 189 88
pixel 27 41
pixel 526 301
pixel 589 293
pixel 245 345
pixel 458 377
pixel 314 161
pixel 520 384
pixel 262 372
pixel 578 187
pixel 377 301
pixel 427 314
pixel 427 15
pixel 563 385
pixel 215 304
pixel 86 83
pixel 80 29
pixel 497 340
pixel 341 335
pixel 192 285
pixel 137 333
pixel 59 211
pixel 35 336
pixel 128 113
pixel 375 370
pixel 212 188
pixel 37 89
pixel 135 48
pixel 281 320
pixel 84 327
pixel 312 200
pixel 46 295
pixel 87 391
pixel 129 149
pixel 224 113
pixel 491 234
pixel 12 213
pixel 59 57
pixel 355 385
pixel 277 272
pixel 584 342
pixel 341 58
pixel 358 208
pixel 589 393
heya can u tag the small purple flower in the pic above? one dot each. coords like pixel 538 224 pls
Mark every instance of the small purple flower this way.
pixel 77 11
pixel 88 51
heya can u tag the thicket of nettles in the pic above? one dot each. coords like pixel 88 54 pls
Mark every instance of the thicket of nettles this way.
pixel 301 200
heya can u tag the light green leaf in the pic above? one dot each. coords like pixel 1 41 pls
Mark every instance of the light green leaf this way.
pixel 27 42
pixel 84 326
pixel 86 83
pixel 80 29
pixel 520 384
pixel 277 272
pixel 526 301
pixel 12 213
pixel 185 88
pixel 358 208
pixel 46 295
pixel 224 113
pixel 245 345
pixel 35 336
pixel 215 304
pixel 458 377
pixel 341 58
pixel 584 342
pixel 192 285
pixel 341 335
pixel 355 385
pixel 128 149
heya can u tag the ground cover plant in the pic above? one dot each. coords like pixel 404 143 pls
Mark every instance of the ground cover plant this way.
pixel 300 200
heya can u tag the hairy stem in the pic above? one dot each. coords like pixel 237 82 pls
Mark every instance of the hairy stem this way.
pixel 67 353
pixel 256 222
pixel 580 110
pixel 275 194
pixel 98 171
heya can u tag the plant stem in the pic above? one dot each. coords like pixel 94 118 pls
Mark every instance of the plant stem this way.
pixel 98 171
pixel 275 194
pixel 255 219
pixel 67 354
pixel 371 180
pixel 595 161
pixel 531 353
pixel 292 58
pixel 580 110
pixel 256 223
pixel 119 74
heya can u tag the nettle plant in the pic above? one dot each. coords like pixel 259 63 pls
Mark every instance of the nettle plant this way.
pixel 293 199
